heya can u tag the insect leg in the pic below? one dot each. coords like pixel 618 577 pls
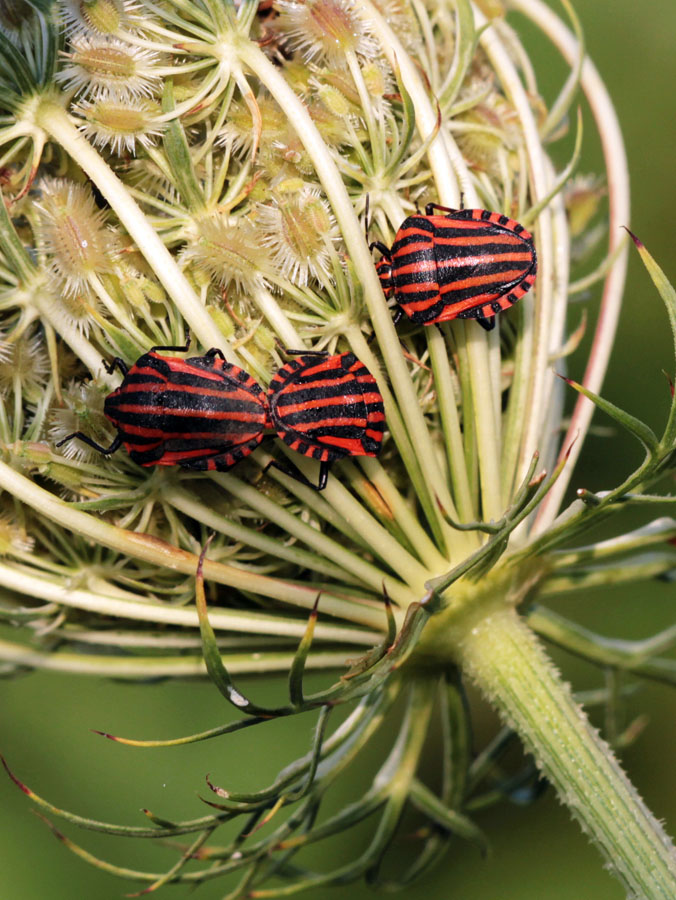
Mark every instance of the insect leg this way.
pixel 430 207
pixel 378 245
pixel 288 468
pixel 106 451
pixel 320 353
pixel 116 363
pixel 210 354
pixel 183 349
pixel 366 218
pixel 488 324
pixel 323 474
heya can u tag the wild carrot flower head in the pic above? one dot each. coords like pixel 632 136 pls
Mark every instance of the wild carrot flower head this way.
pixel 228 250
pixel 94 16
pixel 74 234
pixel 119 124
pixel 285 156
pixel 299 228
pixel 103 67
pixel 324 30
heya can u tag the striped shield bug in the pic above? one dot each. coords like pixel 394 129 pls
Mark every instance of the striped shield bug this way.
pixel 200 413
pixel 206 414
pixel 327 408
pixel 468 264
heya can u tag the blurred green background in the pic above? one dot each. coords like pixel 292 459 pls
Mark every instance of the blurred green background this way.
pixel 45 720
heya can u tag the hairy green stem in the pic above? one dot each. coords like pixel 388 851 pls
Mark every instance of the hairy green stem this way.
pixel 506 661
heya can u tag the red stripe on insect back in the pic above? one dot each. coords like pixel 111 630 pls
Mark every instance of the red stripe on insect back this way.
pixel 454 312
pixel 407 249
pixel 420 265
pixel 416 287
pixel 316 368
pixel 442 223
pixel 414 230
pixel 237 437
pixel 335 422
pixel 479 239
pixel 318 385
pixel 228 391
pixel 460 261
pixel 183 367
pixel 481 280
pixel 352 446
pixel 147 409
pixel 287 409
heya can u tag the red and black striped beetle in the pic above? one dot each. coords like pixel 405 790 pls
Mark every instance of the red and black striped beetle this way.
pixel 468 264
pixel 201 413
pixel 327 408
pixel 206 414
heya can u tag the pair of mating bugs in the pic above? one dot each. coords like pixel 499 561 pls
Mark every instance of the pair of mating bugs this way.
pixel 206 414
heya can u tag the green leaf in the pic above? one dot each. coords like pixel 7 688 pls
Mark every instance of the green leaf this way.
pixel 668 294
pixel 178 154
pixel 531 214
pixel 527 498
pixel 405 138
pixel 423 798
pixel 466 41
pixel 298 665
pixel 639 657
pixel 640 430
pixel 105 827
pixel 12 247
pixel 15 67
pixel 366 662
pixel 563 102
pixel 212 655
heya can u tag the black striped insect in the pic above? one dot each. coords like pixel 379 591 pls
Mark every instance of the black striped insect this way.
pixel 327 408
pixel 206 414
pixel 468 264
pixel 201 413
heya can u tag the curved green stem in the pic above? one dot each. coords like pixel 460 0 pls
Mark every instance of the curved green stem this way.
pixel 506 661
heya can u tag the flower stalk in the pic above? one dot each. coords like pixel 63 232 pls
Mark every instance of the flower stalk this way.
pixel 502 656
